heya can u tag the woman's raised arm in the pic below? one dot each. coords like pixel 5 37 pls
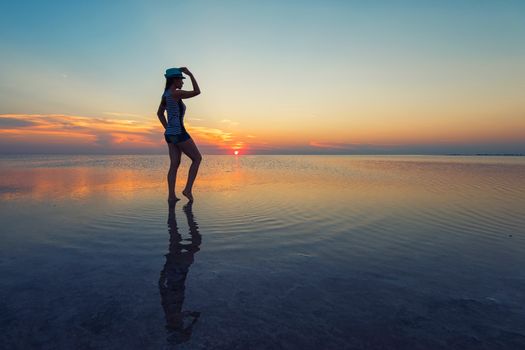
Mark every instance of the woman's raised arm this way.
pixel 187 94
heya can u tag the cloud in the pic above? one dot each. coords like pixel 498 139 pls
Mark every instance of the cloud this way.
pixel 211 135
pixel 230 123
pixel 104 140
pixel 124 114
pixel 59 133
pixel 8 123
pixel 351 148
pixel 92 133
pixel 46 132
pixel 334 145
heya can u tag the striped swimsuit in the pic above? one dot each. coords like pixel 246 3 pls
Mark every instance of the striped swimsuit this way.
pixel 175 131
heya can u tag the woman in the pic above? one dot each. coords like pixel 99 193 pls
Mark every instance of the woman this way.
pixel 178 139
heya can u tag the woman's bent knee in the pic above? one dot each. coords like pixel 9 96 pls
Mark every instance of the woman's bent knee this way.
pixel 197 159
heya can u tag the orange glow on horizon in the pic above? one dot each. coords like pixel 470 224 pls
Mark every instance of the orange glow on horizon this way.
pixel 99 134
pixel 103 134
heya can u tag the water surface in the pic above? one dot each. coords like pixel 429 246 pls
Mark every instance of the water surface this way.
pixel 276 252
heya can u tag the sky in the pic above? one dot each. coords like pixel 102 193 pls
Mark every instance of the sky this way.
pixel 277 77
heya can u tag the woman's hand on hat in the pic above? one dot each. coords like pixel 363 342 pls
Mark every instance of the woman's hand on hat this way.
pixel 185 70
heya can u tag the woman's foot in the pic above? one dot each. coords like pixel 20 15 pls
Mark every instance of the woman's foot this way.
pixel 172 199
pixel 188 208
pixel 188 194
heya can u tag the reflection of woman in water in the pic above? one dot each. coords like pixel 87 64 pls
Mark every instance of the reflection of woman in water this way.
pixel 173 275
pixel 176 136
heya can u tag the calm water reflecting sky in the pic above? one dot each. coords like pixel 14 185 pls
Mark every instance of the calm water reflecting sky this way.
pixel 276 252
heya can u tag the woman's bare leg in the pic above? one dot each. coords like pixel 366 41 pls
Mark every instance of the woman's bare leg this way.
pixel 190 149
pixel 175 154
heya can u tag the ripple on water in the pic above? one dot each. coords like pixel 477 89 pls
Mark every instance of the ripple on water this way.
pixel 367 202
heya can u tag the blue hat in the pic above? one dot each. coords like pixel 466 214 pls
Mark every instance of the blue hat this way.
pixel 173 73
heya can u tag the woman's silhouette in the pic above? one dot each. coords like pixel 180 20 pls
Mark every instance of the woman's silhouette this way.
pixel 178 139
pixel 172 281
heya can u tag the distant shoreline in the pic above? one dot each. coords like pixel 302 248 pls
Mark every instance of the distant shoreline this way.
pixel 280 154
pixel 488 154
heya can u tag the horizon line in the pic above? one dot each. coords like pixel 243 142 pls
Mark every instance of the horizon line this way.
pixel 269 154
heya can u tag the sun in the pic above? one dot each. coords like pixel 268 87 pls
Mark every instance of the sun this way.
pixel 236 152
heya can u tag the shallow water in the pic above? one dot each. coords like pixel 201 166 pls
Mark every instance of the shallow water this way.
pixel 276 252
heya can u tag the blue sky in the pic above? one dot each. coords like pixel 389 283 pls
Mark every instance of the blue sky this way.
pixel 279 67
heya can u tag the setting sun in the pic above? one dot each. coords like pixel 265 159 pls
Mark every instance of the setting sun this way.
pixel 236 152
